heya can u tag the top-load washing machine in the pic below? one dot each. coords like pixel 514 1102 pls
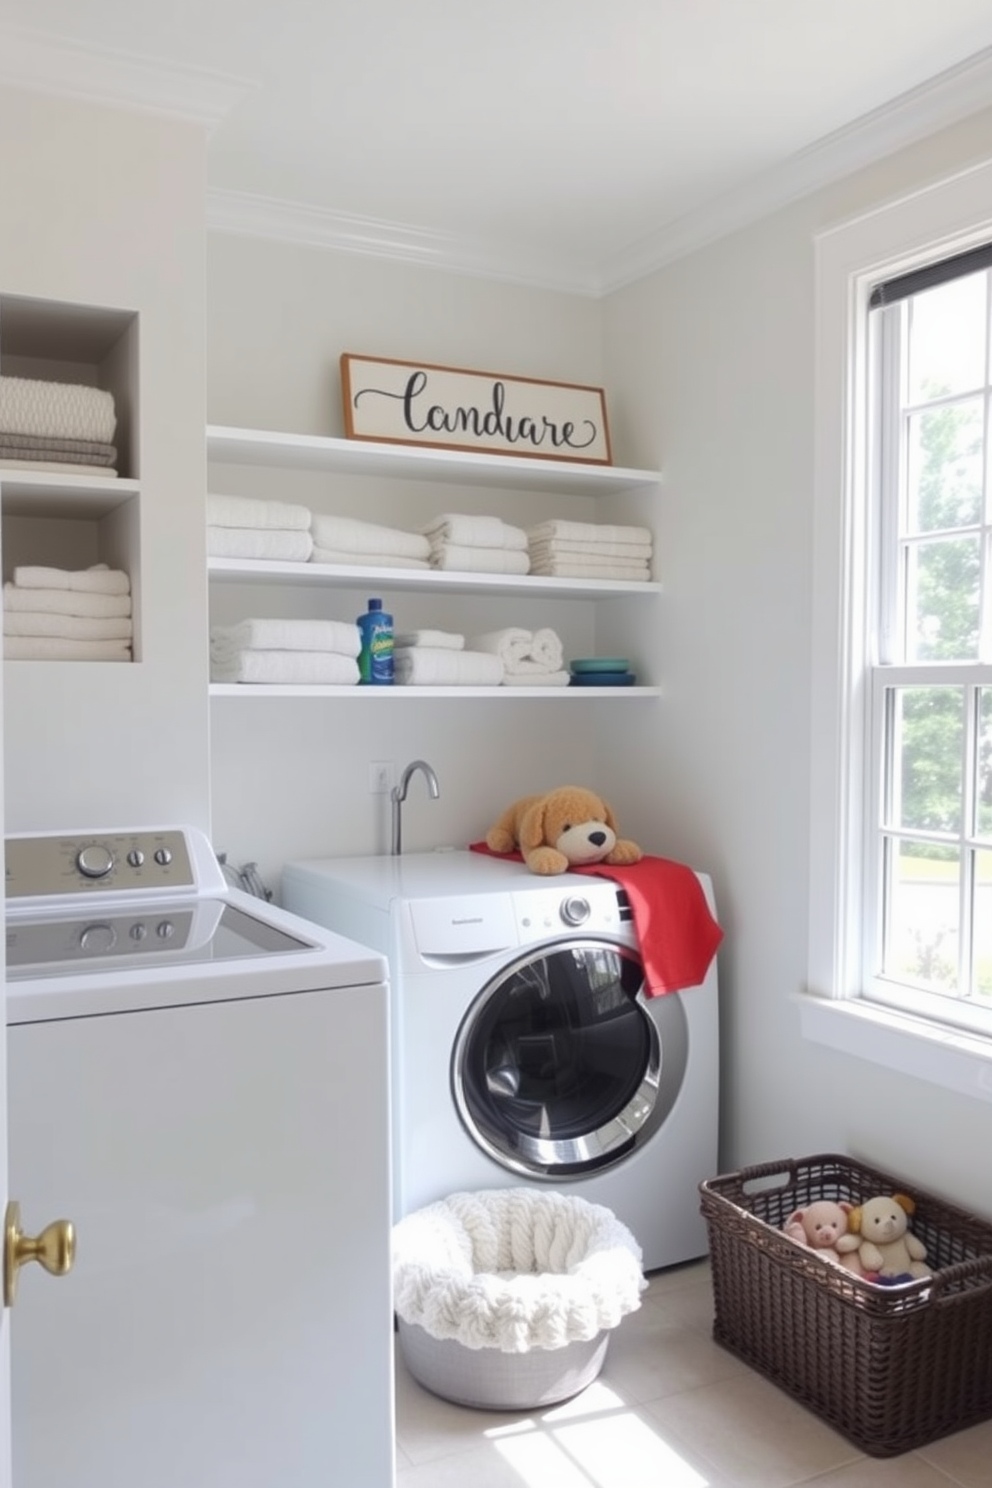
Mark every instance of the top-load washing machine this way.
pixel 524 1048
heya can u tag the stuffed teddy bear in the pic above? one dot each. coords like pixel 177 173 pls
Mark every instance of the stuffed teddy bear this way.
pixel 566 827
pixel 823 1226
pixel 888 1249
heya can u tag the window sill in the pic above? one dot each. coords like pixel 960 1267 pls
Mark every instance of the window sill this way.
pixel 956 1060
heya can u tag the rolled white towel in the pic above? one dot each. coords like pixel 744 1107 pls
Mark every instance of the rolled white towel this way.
pixel 367 538
pixel 56 410
pixel 277 545
pixel 537 679
pixel 249 511
pixel 480 560
pixel 523 650
pixel 302 668
pixel 65 602
pixel 96 580
pixel 265 634
pixel 587 532
pixel 471 531
pixel 63 648
pixel 427 666
pixel 438 640
pixel 365 560
pixel 74 627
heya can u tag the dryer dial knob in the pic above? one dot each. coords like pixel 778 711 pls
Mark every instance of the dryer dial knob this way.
pixel 94 861
pixel 575 910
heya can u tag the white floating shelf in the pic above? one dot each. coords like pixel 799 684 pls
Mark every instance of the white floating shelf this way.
pixel 412 462
pixel 256 691
pixel 344 576
pixel 51 493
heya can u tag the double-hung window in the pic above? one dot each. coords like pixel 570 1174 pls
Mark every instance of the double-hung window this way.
pixel 928 839
pixel 900 931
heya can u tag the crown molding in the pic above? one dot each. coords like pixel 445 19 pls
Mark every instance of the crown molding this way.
pixel 245 215
pixel 942 101
pixel 70 69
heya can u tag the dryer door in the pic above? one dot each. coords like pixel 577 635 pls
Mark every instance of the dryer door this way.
pixel 561 1066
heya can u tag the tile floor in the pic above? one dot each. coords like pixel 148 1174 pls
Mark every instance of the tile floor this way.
pixel 670 1410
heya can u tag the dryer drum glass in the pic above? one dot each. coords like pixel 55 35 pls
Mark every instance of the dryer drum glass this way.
pixel 558 1068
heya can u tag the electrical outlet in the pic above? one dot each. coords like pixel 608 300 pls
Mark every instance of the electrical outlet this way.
pixel 381 777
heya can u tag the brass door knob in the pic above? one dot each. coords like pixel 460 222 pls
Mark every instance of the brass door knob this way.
pixel 54 1248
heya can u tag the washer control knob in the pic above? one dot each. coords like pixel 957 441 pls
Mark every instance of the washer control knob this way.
pixel 95 860
pixel 136 857
pixel 575 910
pixel 163 856
pixel 165 929
pixel 96 939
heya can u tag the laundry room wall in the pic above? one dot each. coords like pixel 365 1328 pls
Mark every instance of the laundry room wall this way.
pixel 710 364
pixel 290 776
pixel 105 210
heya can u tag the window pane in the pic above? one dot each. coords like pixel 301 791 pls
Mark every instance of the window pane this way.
pixel 944 467
pixel 924 759
pixel 922 915
pixel 983 765
pixel 982 931
pixel 946 338
pixel 943 600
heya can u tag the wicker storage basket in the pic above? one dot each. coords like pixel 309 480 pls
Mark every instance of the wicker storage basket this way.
pixel 892 1368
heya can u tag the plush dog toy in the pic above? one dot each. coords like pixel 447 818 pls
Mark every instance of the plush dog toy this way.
pixel 565 828
pixel 888 1248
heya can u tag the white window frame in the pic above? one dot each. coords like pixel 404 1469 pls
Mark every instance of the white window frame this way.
pixel 937 221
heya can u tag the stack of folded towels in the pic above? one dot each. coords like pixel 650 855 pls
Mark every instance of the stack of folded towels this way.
pixel 589 550
pixel 529 658
pixel 476 544
pixel 55 614
pixel 347 540
pixel 314 653
pixel 243 527
pixel 57 426
pixel 438 658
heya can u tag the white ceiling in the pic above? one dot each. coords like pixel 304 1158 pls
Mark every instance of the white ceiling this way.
pixel 555 141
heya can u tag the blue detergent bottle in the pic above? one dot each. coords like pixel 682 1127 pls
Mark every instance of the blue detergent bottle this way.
pixel 375 659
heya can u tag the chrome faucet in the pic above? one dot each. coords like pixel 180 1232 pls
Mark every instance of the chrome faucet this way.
pixel 398 795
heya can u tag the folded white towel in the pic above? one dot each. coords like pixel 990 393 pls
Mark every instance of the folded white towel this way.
pixel 522 650
pixel 278 545
pixel 588 532
pixel 248 511
pixel 340 636
pixel 480 560
pixel 74 627
pixel 591 568
pixel 537 679
pixel 566 547
pixel 354 536
pixel 65 602
pixel 467 530
pixel 365 560
pixel 303 668
pixel 426 666
pixel 96 580
pixel 60 467
pixel 63 648
pixel 438 640
pixel 56 410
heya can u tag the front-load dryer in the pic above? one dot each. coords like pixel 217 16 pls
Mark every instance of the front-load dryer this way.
pixel 524 1049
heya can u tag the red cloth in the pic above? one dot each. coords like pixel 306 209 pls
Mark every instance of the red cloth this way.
pixel 676 933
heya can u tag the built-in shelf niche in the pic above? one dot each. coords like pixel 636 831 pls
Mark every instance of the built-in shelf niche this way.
pixel 74 519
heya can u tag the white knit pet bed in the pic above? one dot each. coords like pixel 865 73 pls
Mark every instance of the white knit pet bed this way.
pixel 505 1298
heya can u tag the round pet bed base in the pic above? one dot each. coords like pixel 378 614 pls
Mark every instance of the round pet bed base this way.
pixel 487 1379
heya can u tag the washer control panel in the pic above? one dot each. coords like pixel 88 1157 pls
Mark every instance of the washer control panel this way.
pixel 122 862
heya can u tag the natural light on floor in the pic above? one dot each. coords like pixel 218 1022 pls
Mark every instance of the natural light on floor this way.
pixel 591 1442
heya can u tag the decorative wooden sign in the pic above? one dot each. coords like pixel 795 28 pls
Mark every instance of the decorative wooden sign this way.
pixel 396 402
